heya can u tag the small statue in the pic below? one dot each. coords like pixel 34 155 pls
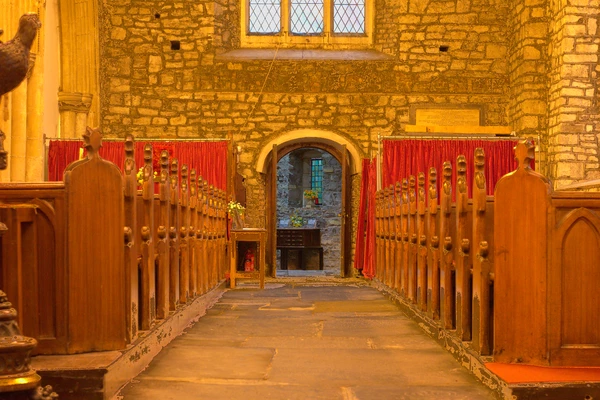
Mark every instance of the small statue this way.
pixel 14 54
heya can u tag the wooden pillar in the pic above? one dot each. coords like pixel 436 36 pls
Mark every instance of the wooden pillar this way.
pixel 398 237
pixel 131 262
pixel 463 259
pixel 433 270
pixel 446 253
pixel 148 289
pixel 204 246
pixel 174 215
pixel 193 224
pixel 163 279
pixel 422 245
pixel 405 238
pixel 412 227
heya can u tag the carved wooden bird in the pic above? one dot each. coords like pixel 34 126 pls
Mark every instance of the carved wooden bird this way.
pixel 14 54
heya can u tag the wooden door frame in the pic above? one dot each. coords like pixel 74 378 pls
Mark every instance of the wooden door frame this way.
pixel 270 194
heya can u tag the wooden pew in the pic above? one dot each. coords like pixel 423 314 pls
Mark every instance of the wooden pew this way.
pixel 447 219
pixel 130 260
pixel 422 244
pixel 184 259
pixel 463 250
pixel 163 286
pixel 483 234
pixel 433 260
pixel 437 277
pixel 146 232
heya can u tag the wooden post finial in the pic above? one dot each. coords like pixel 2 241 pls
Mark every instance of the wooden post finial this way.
pixel 129 155
pixel 92 139
pixel 524 153
pixel 479 166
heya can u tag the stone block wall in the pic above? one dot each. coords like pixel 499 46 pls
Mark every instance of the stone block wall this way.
pixel 528 59
pixel 573 138
pixel 165 72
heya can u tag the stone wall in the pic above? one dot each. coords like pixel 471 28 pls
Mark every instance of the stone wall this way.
pixel 573 95
pixel 445 53
pixel 290 186
pixel 527 56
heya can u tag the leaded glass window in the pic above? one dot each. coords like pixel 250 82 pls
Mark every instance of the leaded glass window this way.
pixel 349 16
pixel 316 175
pixel 307 23
pixel 306 17
pixel 264 16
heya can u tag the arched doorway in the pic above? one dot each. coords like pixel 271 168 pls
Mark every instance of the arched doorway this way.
pixel 309 197
pixel 348 156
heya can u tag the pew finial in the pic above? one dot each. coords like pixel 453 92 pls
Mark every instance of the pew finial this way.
pixel 432 184
pixel 92 141
pixel 129 155
pixel 479 166
pixel 525 153
pixel 461 173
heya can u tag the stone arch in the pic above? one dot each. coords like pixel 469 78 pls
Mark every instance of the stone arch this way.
pixel 328 138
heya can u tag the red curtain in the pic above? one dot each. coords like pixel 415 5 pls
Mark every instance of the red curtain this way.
pixel 362 215
pixel 208 158
pixel 60 155
pixel 402 158
pixel 365 235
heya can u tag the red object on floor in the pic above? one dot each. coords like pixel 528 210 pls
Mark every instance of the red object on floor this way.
pixel 521 373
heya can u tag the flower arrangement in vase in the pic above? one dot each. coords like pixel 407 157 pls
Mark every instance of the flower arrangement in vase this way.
pixel 236 211
pixel 311 195
pixel 296 221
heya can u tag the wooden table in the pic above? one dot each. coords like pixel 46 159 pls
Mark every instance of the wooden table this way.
pixel 241 240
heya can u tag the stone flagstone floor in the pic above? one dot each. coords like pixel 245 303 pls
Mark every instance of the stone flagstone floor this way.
pixel 298 341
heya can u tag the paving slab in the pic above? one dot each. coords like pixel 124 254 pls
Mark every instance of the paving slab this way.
pixel 293 341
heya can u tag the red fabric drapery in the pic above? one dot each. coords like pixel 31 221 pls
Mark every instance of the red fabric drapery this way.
pixel 402 158
pixel 364 257
pixel 209 159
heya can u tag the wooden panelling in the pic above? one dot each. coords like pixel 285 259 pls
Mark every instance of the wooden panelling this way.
pixel 95 221
pixel 574 282
pixel 32 269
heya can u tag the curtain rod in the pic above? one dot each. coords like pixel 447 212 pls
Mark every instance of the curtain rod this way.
pixel 450 137
pixel 109 139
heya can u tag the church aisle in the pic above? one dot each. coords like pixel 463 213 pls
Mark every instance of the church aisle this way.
pixel 304 342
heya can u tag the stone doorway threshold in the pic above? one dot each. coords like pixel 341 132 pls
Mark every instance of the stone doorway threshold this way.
pixel 300 272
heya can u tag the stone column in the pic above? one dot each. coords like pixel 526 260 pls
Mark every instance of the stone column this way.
pixel 19 133
pixel 79 57
pixel 572 102
pixel 74 109
pixel 34 148
pixel 528 55
pixel 6 127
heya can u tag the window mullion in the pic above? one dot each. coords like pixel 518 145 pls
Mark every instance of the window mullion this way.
pixel 327 16
pixel 285 19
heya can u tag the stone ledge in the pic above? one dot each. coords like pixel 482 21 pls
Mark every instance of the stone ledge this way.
pixel 300 54
pixel 100 375
pixel 475 363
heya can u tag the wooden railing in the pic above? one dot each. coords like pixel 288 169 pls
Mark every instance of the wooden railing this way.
pixel 92 261
pixel 514 276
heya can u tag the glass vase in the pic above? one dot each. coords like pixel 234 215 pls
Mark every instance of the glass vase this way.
pixel 238 221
